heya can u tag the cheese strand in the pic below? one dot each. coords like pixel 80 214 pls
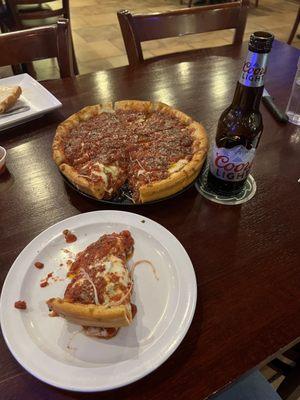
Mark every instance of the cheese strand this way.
pixel 88 278
pixel 143 262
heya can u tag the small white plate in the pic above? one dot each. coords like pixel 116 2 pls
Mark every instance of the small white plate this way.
pixel 34 95
pixel 50 348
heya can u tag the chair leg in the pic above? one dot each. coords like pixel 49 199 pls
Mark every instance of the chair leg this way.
pixel 289 389
pixel 29 68
pixel 295 27
pixel 17 69
pixel 3 27
pixel 189 4
pixel 75 65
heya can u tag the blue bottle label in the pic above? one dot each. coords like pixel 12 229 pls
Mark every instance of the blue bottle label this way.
pixel 254 69
pixel 233 164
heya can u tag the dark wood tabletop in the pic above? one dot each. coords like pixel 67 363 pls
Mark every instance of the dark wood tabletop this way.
pixel 246 257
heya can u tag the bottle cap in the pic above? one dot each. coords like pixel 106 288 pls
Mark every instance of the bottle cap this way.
pixel 261 42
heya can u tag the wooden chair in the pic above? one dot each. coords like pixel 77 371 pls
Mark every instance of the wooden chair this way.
pixel 39 43
pixel 32 13
pixel 251 386
pixel 142 27
pixel 4 17
pixel 289 367
pixel 189 3
pixel 295 27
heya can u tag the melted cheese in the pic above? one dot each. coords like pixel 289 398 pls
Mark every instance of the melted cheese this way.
pixel 177 166
pixel 103 170
pixel 140 172
pixel 100 173
pixel 112 265
pixel 112 170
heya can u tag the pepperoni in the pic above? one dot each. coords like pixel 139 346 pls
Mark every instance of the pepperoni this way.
pixel 21 305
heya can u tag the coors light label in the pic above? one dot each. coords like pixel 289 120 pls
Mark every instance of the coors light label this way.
pixel 231 164
pixel 254 69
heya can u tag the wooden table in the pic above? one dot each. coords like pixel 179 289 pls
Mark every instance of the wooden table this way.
pixel 246 257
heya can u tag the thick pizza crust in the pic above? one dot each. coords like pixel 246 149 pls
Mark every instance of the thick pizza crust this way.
pixel 9 96
pixel 153 191
pixel 83 184
pixel 137 105
pixel 92 314
pixel 165 109
pixel 96 190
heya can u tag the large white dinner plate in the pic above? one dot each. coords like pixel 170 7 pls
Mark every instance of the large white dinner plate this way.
pixel 34 95
pixel 50 348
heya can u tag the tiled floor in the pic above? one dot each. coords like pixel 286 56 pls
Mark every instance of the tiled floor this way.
pixel 99 44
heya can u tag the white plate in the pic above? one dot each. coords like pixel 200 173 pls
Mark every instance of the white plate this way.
pixel 34 95
pixel 165 307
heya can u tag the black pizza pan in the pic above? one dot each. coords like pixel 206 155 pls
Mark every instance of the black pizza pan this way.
pixel 123 197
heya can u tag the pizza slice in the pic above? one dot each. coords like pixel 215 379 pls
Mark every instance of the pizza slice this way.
pixel 101 180
pixel 89 150
pixel 99 294
pixel 8 97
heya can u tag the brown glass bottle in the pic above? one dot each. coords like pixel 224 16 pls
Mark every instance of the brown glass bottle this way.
pixel 240 125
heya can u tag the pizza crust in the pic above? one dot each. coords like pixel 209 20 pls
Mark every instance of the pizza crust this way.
pixel 83 184
pixel 92 314
pixel 165 109
pixel 137 105
pixel 149 192
pixel 8 97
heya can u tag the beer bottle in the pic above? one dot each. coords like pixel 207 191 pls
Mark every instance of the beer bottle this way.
pixel 240 125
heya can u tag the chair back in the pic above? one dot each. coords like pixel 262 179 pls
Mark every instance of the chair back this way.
pixel 28 10
pixel 33 44
pixel 137 28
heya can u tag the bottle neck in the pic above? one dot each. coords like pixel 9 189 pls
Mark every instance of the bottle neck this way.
pixel 247 98
pixel 251 83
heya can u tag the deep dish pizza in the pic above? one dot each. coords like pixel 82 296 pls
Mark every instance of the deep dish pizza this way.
pixel 151 147
pixel 99 294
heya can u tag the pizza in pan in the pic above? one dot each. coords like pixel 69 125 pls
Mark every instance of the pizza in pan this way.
pixel 99 294
pixel 151 147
